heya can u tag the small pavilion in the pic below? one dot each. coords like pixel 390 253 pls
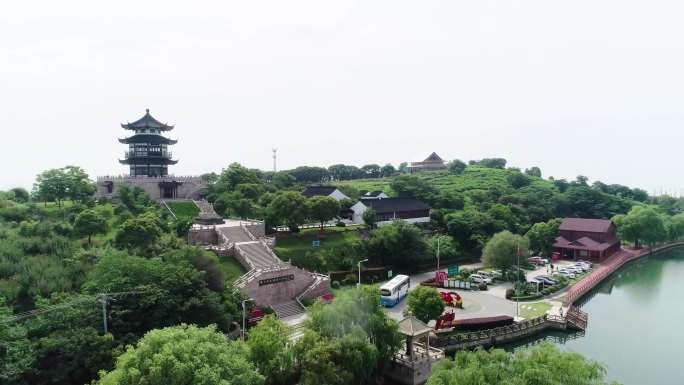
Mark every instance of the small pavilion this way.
pixel 412 365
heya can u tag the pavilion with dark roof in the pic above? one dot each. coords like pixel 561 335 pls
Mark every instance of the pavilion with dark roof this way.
pixel 588 239
pixel 325 191
pixel 431 163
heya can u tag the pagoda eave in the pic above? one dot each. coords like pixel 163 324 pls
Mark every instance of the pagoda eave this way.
pixel 151 139
pixel 145 161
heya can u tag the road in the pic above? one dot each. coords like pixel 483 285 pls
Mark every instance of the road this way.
pixel 475 303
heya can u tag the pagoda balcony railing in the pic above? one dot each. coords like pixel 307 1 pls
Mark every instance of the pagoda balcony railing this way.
pixel 148 154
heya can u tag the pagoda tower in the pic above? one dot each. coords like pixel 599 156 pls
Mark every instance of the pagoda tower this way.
pixel 148 153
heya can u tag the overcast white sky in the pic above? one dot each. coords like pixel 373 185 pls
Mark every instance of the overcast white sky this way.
pixel 574 87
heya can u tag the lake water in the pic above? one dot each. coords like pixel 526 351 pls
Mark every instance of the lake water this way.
pixel 636 323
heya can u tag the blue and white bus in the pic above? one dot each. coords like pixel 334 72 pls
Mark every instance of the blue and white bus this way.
pixel 392 292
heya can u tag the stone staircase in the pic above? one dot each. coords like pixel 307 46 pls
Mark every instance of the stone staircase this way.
pixel 257 254
pixel 288 309
pixel 234 234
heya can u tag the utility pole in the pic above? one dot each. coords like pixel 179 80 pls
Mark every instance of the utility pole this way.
pixel 274 158
pixel 517 273
pixel 438 239
pixel 243 317
pixel 360 262
pixel 102 298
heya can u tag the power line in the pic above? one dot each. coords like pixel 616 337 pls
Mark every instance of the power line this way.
pixel 99 297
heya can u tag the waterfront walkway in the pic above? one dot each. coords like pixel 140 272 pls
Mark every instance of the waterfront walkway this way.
pixel 610 265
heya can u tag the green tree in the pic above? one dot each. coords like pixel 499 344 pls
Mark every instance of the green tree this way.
pixel 456 166
pixel 289 208
pixel 540 364
pixel 51 186
pixel 79 186
pixel 357 308
pixel 499 163
pixel 269 351
pixel 140 234
pixel 372 170
pixel 184 355
pixel 163 292
pixel 447 247
pixel 69 345
pixel 542 235
pixel 350 359
pixel 369 218
pixel 89 222
pixel 534 171
pixel 20 194
pixel 425 303
pixel 16 353
pixel 387 170
pixel 399 243
pixel 502 250
pixel 323 208
pixel 518 180
pixel 675 228
pixel 412 186
pixel 641 223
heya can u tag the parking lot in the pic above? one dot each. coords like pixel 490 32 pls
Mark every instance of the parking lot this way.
pixel 488 303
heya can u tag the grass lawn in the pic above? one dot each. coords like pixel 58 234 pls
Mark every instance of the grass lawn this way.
pixel 187 210
pixel 232 268
pixel 533 310
pixel 296 245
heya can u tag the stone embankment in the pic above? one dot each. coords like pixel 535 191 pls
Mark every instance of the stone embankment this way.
pixel 610 266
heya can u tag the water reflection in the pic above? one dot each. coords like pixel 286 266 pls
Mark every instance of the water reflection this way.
pixel 635 320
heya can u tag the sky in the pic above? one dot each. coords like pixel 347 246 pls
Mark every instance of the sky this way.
pixel 580 87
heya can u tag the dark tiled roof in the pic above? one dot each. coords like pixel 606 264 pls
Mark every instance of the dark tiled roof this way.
pixel 433 158
pixel 147 121
pixel 148 138
pixel 392 205
pixel 312 191
pixel 584 243
pixel 583 224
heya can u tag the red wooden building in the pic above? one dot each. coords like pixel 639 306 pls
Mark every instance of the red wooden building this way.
pixel 589 239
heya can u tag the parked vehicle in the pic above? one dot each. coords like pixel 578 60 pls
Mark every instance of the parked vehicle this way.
pixel 546 279
pixel 580 266
pixel 478 278
pixel 497 274
pixel 567 274
pixel 536 261
pixel 392 292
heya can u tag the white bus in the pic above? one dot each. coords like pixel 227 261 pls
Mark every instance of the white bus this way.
pixel 392 292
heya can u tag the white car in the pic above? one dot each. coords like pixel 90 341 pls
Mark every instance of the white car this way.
pixel 479 278
pixel 579 266
pixel 567 274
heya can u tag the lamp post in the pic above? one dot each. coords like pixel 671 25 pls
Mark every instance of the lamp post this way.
pixel 438 239
pixel 242 332
pixel 517 273
pixel 359 264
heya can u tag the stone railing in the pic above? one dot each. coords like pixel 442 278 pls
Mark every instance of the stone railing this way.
pixel 124 177
pixel 500 335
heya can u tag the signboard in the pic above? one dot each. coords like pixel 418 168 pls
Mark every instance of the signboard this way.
pixel 440 277
pixel 389 273
pixel 452 271
pixel 315 243
pixel 270 281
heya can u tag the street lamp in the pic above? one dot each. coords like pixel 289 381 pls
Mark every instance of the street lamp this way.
pixel 359 264
pixel 438 239
pixel 242 332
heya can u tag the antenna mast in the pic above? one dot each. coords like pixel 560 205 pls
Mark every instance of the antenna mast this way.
pixel 274 158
